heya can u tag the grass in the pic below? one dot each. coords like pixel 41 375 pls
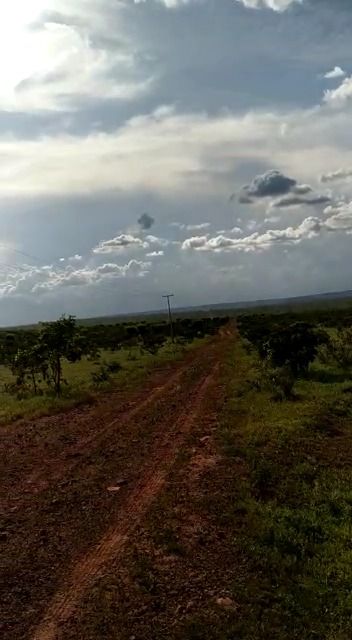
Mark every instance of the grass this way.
pixel 80 388
pixel 291 511
pixel 271 528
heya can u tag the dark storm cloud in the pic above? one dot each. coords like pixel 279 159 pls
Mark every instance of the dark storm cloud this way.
pixel 146 221
pixel 269 184
pixel 295 200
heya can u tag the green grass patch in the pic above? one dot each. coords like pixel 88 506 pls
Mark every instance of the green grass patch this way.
pixel 291 509
pixel 79 387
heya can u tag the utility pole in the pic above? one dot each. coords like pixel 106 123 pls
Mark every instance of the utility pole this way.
pixel 168 296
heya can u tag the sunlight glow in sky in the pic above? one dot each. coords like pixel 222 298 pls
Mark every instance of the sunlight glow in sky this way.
pixel 197 146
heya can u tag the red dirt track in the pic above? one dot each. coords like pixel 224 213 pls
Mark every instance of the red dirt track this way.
pixel 60 526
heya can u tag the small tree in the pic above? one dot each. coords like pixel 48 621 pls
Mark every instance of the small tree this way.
pixel 338 349
pixel 60 340
pixel 295 346
pixel 29 363
pixel 152 343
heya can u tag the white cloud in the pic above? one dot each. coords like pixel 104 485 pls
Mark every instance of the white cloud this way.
pixel 340 217
pixel 29 279
pixel 155 254
pixel 337 72
pixel 52 55
pixel 340 174
pixel 191 227
pixel 163 152
pixel 75 258
pixel 170 4
pixel 157 242
pixel 338 97
pixel 275 5
pixel 121 242
pixel 339 220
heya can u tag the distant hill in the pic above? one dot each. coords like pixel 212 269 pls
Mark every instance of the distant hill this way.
pixel 333 299
pixel 336 299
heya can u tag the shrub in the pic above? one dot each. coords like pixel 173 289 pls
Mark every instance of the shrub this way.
pixel 279 380
pixel 114 366
pixel 102 376
pixel 338 350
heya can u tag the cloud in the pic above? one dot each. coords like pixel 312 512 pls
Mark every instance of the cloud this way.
pixel 337 72
pixel 275 5
pixel 53 60
pixel 296 200
pixel 121 242
pixel 191 227
pixel 29 279
pixel 161 153
pixel 157 242
pixel 169 4
pixel 269 184
pixel 146 221
pixel 75 258
pixel 302 189
pixel 196 242
pixel 340 217
pixel 155 254
pixel 340 174
pixel 338 97
pixel 339 220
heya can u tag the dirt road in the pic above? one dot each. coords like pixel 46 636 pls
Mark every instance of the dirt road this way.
pixel 75 487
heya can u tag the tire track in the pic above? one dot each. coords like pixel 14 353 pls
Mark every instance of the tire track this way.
pixel 152 480
pixel 59 468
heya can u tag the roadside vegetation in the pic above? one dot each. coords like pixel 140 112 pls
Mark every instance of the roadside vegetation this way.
pixel 290 502
pixel 259 545
pixel 61 364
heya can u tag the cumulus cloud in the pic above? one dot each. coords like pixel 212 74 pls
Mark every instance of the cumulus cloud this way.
pixel 309 228
pixel 157 242
pixel 191 227
pixel 76 258
pixel 302 189
pixel 170 4
pixel 155 254
pixel 29 279
pixel 275 5
pixel 162 152
pixel 269 184
pixel 274 183
pixel 337 72
pixel 338 97
pixel 296 200
pixel 121 242
pixel 334 176
pixel 146 221
pixel 340 219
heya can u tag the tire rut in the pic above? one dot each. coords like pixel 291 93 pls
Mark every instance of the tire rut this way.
pixel 60 467
pixel 153 477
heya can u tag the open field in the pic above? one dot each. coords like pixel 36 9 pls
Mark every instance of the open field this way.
pixel 197 503
pixel 80 388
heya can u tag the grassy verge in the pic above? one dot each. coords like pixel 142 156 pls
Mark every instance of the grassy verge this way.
pixel 80 388
pixel 251 537
pixel 289 505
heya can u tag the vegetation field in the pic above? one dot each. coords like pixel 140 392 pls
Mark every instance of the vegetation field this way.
pixel 61 365
pixel 208 500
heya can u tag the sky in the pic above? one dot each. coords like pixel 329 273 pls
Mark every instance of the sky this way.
pixel 199 147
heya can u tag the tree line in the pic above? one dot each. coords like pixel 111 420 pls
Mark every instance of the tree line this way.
pixel 35 356
pixel 288 344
